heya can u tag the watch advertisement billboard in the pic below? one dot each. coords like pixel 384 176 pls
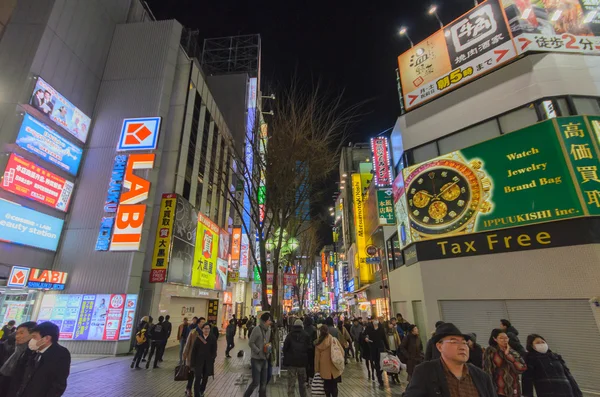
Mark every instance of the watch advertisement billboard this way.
pixel 554 26
pixel 41 140
pixel 204 271
pixel 514 180
pixel 184 238
pixel 106 317
pixel 60 110
pixel 29 180
pixel 21 225
pixel 472 45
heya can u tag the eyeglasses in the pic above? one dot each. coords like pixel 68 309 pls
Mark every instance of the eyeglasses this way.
pixel 456 342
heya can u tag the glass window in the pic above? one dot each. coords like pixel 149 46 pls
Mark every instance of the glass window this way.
pixel 470 136
pixel 425 152
pixel 563 106
pixel 587 106
pixel 518 119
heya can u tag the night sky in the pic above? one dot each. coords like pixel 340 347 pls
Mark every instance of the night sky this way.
pixel 349 46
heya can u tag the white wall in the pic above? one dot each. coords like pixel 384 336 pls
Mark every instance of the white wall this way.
pixel 406 285
pixel 523 81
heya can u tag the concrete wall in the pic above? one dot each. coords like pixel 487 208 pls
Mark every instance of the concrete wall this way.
pixel 523 81
pixel 554 273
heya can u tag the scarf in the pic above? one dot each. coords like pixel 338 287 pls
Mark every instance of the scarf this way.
pixel 10 365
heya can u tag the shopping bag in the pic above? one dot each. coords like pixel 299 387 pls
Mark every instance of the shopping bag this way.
pixel 182 372
pixel 389 363
pixel 317 387
pixel 337 355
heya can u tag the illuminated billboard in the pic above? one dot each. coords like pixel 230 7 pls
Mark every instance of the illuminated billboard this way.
pixel 244 257
pixel 60 110
pixel 204 271
pixel 222 260
pixel 139 134
pixel 360 263
pixel 29 180
pixel 21 225
pixel 25 277
pixel 164 238
pixel 381 162
pixel 41 140
pixel 105 317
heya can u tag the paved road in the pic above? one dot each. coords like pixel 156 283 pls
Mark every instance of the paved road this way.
pixel 111 376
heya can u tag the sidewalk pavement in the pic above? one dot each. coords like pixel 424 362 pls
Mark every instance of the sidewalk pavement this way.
pixel 103 376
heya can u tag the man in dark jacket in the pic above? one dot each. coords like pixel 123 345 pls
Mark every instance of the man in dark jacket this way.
pixel 158 334
pixel 475 352
pixel 450 375
pixel 355 330
pixel 295 357
pixel 431 353
pixel 311 332
pixel 229 336
pixel 11 372
pixel 513 337
pixel 46 372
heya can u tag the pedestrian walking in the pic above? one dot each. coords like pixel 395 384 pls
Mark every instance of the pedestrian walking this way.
pixel 431 352
pixel 402 325
pixel 202 358
pixel 394 344
pixel 411 350
pixel 229 336
pixel 333 331
pixel 182 333
pixel 47 370
pixel 475 352
pixel 295 357
pixel 311 332
pixel 547 371
pixel 503 364
pixel 365 353
pixel 7 330
pixel 250 326
pixel 348 326
pixel 13 369
pixel 345 339
pixel 355 331
pixel 324 365
pixel 145 352
pixel 450 375
pixel 195 330
pixel 513 337
pixel 260 355
pixel 377 344
pixel 169 327
pixel 158 334
pixel 245 326
pixel 141 341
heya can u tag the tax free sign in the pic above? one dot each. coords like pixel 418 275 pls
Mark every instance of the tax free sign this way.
pixel 121 227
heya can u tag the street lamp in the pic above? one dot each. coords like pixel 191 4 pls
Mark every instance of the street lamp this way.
pixel 403 33
pixel 433 11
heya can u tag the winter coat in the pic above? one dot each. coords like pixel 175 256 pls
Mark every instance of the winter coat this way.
pixel 189 343
pixel 257 340
pixel 333 331
pixel 365 351
pixel 393 333
pixel 514 342
pixel 230 331
pixel 295 348
pixel 550 376
pixel 379 342
pixel 159 332
pixel 355 331
pixel 411 352
pixel 431 352
pixel 476 356
pixel 344 337
pixel 323 363
pixel 203 355
pixel 504 370
pixel 311 331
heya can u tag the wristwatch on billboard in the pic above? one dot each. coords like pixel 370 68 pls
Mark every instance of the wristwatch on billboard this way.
pixel 445 195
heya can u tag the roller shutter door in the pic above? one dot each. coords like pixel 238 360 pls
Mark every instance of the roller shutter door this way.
pixel 479 317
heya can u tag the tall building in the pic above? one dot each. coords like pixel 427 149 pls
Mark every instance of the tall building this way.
pixel 118 162
pixel 497 201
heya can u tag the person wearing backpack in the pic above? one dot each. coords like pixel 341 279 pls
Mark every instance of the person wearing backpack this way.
pixel 324 362
pixel 141 341
pixel 159 335
pixel 295 357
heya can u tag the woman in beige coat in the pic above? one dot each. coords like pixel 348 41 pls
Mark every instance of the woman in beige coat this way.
pixel 323 364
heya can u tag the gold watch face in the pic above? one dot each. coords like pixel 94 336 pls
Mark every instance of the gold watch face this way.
pixel 443 196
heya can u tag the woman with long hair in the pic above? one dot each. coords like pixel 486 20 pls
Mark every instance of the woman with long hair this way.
pixel 503 364
pixel 394 342
pixel 411 350
pixel 547 371
pixel 345 339
pixel 324 366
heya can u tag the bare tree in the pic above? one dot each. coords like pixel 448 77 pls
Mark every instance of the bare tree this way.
pixel 309 244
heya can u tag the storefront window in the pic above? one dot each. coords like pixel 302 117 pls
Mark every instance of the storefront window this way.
pixel 518 119
pixel 470 136
pixel 586 106
pixel 424 153
pixel 16 306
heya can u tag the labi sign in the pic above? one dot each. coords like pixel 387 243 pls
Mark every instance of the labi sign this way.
pixel 545 172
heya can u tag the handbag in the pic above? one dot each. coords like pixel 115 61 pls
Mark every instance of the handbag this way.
pixel 337 355
pixel 317 387
pixel 390 363
pixel 182 373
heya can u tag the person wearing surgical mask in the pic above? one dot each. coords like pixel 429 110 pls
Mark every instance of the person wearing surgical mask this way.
pixel 12 370
pixel 47 370
pixel 547 372
pixel 378 342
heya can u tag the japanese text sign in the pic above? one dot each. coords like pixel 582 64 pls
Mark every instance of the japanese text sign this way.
pixel 381 162
pixel 204 271
pixel 164 238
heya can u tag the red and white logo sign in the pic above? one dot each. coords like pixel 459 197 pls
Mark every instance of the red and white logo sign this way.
pixel 139 134
pixel 18 277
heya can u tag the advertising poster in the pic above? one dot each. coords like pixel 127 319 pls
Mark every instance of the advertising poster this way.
pixel 385 207
pixel 21 225
pixel 213 310
pixel 244 256
pixel 382 170
pixel 553 26
pixel 359 224
pixel 41 140
pixel 184 238
pixel 128 322
pixel 517 179
pixel 90 317
pixel 222 260
pixel 60 110
pixel 472 45
pixel 401 210
pixel 163 239
pixel 26 179
pixel 236 246
pixel 204 272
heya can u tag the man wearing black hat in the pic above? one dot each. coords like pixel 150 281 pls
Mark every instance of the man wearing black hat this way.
pixel 450 375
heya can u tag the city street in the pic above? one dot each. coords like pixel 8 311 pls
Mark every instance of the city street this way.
pixel 111 376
